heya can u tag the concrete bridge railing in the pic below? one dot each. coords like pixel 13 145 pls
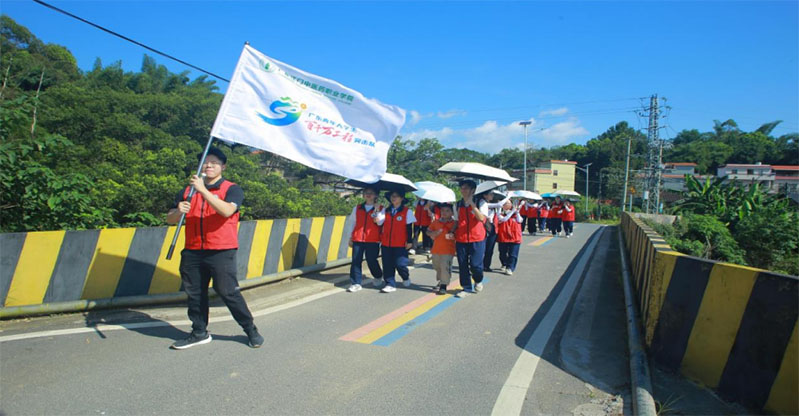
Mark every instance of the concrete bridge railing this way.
pixel 111 265
pixel 729 327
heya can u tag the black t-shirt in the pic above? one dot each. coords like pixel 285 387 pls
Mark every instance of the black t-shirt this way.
pixel 234 194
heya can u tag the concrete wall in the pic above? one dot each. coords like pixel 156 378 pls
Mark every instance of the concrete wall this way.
pixel 58 266
pixel 729 327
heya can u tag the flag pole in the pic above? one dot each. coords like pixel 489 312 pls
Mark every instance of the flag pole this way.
pixel 188 198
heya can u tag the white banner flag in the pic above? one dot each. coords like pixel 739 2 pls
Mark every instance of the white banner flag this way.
pixel 306 118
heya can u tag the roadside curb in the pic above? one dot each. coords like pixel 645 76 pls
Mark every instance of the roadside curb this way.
pixel 640 378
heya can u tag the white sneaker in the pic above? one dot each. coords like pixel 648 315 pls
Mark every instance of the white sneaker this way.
pixel 388 289
pixel 478 287
pixel 462 294
pixel 568 235
pixel 411 251
pixel 354 288
pixel 406 283
pixel 507 271
pixel 378 283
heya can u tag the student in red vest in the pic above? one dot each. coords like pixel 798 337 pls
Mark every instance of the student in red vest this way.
pixel 568 218
pixel 365 239
pixel 396 240
pixel 491 226
pixel 555 216
pixel 424 216
pixel 523 212
pixel 470 238
pixel 442 231
pixel 543 215
pixel 509 235
pixel 531 211
pixel 212 216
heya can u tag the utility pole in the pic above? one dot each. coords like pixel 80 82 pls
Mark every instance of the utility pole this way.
pixel 655 158
pixel 585 169
pixel 525 124
pixel 626 174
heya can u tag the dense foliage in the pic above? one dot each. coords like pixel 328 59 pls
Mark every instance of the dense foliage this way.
pixel 727 222
pixel 109 147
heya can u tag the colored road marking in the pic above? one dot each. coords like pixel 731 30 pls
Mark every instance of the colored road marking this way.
pixel 541 241
pixel 409 326
pixel 389 328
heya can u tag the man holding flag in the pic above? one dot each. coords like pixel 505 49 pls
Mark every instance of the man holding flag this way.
pixel 212 216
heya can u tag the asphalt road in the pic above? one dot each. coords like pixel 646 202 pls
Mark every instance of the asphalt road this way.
pixel 548 340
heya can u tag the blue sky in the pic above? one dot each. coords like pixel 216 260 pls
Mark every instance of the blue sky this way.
pixel 468 72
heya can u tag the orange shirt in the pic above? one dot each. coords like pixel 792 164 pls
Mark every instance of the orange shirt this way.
pixel 441 245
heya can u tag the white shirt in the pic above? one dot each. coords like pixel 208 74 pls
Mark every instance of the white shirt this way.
pixel 410 219
pixel 514 213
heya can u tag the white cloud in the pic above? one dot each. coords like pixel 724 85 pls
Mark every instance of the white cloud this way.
pixel 414 117
pixel 450 114
pixel 562 133
pixel 491 136
pixel 556 112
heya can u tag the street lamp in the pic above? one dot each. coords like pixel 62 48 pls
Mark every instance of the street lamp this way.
pixel 586 185
pixel 525 124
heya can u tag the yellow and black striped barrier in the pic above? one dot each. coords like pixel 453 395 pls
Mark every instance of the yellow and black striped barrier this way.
pixel 729 327
pixel 61 266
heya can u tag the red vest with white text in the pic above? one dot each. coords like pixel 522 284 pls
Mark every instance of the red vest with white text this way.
pixel 365 231
pixel 394 232
pixel 205 228
pixel 470 229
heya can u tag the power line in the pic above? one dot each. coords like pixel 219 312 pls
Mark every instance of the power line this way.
pixel 109 31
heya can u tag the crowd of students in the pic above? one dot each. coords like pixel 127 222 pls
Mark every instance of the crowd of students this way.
pixel 468 230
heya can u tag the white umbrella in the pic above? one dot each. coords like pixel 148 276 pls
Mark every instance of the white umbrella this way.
pixel 435 192
pixel 487 186
pixel 565 193
pixel 525 195
pixel 476 170
pixel 387 182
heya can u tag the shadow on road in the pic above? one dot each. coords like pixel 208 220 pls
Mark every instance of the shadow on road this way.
pixel 145 324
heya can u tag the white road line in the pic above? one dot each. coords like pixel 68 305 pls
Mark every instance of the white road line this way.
pixel 185 322
pixel 153 324
pixel 511 397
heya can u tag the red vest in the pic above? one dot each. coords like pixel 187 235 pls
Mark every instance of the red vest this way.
pixel 532 213
pixel 365 231
pixel 207 230
pixel 422 217
pixel 543 211
pixel 568 215
pixel 394 234
pixel 470 229
pixel 509 231
pixel 556 211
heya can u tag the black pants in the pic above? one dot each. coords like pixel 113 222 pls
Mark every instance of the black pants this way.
pixel 427 242
pixel 531 225
pixel 197 267
pixel 491 240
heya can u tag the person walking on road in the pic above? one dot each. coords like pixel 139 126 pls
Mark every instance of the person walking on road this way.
pixel 442 231
pixel 531 212
pixel 397 238
pixel 424 216
pixel 568 218
pixel 470 238
pixel 555 214
pixel 543 216
pixel 212 216
pixel 365 239
pixel 509 235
